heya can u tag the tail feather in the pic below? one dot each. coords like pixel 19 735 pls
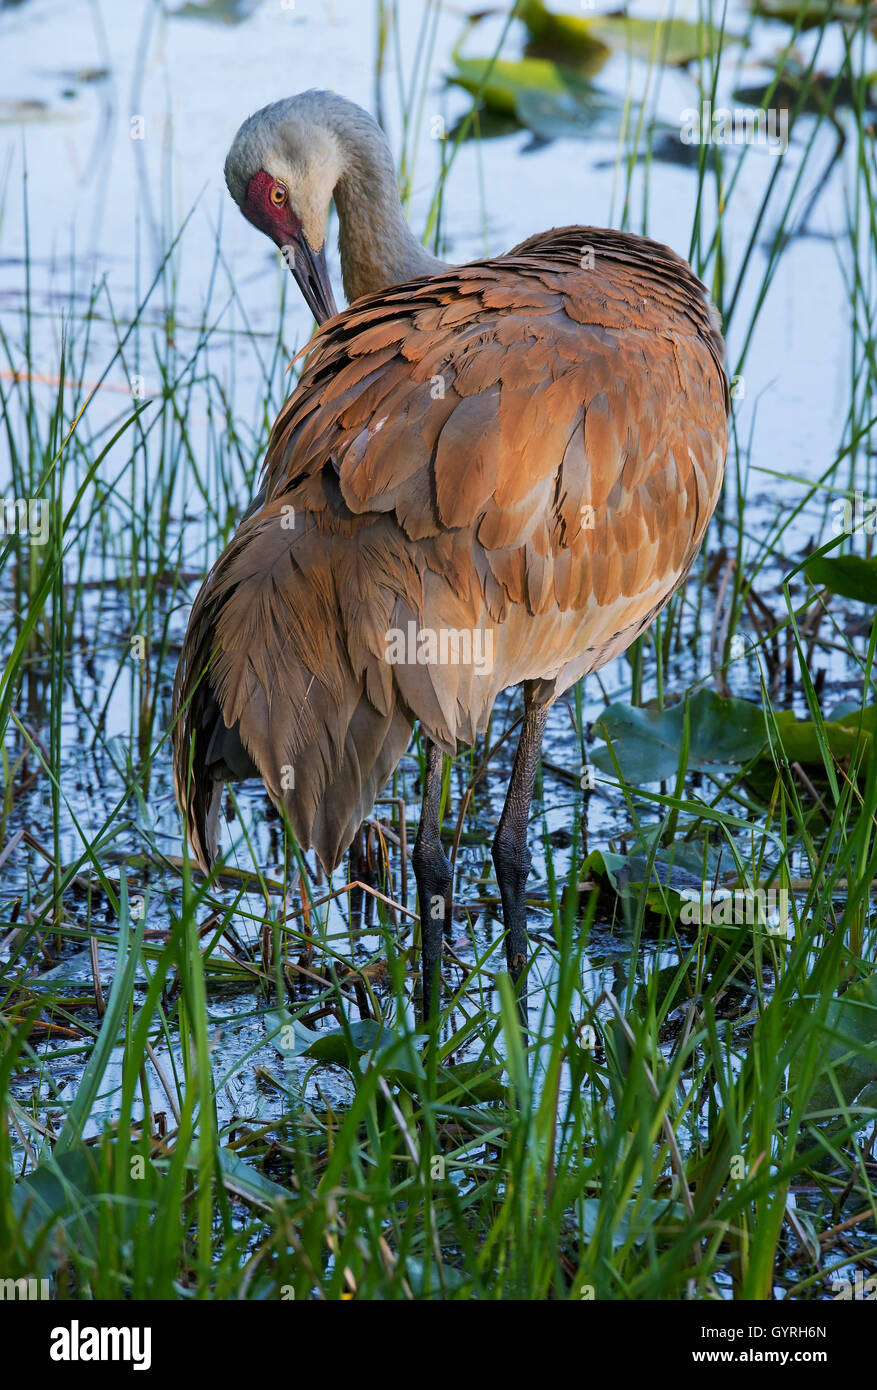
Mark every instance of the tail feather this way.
pixel 374 745
pixel 277 681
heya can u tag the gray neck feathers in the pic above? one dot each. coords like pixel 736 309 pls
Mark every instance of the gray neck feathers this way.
pixel 377 246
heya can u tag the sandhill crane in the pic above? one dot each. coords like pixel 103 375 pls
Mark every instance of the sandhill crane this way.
pixel 488 475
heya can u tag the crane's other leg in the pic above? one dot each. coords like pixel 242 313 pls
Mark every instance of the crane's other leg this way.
pixel 432 870
pixel 511 856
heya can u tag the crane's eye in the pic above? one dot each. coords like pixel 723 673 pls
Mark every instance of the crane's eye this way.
pixel 278 195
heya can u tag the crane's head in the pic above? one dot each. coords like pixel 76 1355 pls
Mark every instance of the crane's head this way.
pixel 281 171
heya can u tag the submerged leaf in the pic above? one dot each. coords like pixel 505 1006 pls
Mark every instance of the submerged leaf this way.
pixel 552 117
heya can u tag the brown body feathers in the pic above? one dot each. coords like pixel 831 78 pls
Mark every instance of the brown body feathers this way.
pixel 527 448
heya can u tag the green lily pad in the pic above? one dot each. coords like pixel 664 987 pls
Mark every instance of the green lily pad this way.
pixel 216 11
pixel 667 879
pixel 850 1052
pixel 460 1084
pixel 335 1044
pixel 501 84
pixel 368 1038
pixel 288 1035
pixel 850 576
pixel 56 1206
pixel 472 1080
pixel 60 1189
pixel 801 742
pixel 535 93
pixel 626 875
pixel 484 125
pixel 810 12
pixel 243 1179
pixel 639 1220
pixel 443 1279
pixel 679 867
pixel 724 734
pixel 673 41
pixel 567 36
pixel 646 742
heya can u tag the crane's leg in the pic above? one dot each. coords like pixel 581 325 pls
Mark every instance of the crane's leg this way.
pixel 433 873
pixel 510 853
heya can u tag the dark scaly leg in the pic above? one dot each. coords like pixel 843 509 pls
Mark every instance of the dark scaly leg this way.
pixel 432 871
pixel 510 853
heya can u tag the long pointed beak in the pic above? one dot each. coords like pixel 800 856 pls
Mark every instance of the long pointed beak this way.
pixel 311 275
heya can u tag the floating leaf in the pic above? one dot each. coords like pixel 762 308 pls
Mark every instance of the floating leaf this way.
pixel 469 1081
pixel 567 36
pixel 850 576
pixel 336 1043
pixel 809 12
pixel 681 866
pixel 21 111
pixel 243 1179
pixel 399 1062
pixel 638 1221
pixel 59 1189
pixel 288 1035
pixel 612 868
pixel 850 1052
pixel 501 83
pixel 662 145
pixel 345 1047
pixel 484 125
pixel 443 1279
pixel 666 877
pixel 646 742
pixel 629 879
pixel 808 91
pixel 673 41
pixel 801 738
pixel 724 734
pixel 56 1206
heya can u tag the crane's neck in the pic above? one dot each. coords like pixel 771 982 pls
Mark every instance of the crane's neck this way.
pixel 377 246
